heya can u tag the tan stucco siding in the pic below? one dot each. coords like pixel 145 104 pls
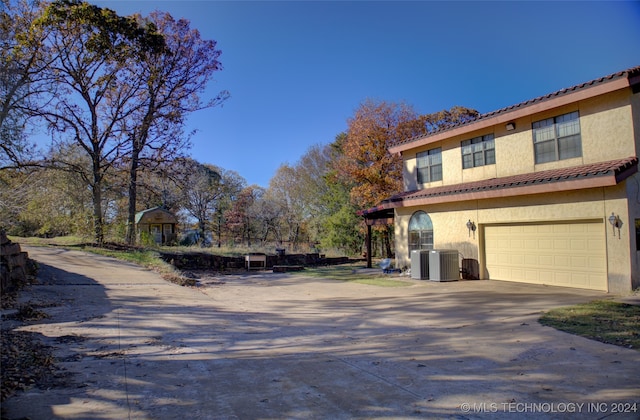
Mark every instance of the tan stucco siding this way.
pixel 635 115
pixel 618 241
pixel 633 190
pixel 514 151
pixel 593 205
pixel 606 126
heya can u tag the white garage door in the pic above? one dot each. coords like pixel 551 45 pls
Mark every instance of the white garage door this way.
pixel 563 254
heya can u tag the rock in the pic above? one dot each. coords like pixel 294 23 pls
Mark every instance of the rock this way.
pixel 13 265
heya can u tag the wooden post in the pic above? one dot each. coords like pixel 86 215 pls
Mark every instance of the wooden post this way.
pixel 368 245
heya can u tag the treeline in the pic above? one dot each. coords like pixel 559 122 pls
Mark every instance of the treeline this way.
pixel 114 93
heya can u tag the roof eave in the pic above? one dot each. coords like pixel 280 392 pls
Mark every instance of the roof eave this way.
pixel 545 188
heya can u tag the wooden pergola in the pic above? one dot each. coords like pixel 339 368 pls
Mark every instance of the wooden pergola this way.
pixel 375 216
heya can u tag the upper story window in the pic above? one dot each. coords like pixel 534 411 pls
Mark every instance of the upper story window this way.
pixel 429 166
pixel 557 138
pixel 478 151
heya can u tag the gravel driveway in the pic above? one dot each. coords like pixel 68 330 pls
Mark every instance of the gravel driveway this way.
pixel 277 346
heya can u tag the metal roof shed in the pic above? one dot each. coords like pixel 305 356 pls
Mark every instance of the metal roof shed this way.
pixel 159 223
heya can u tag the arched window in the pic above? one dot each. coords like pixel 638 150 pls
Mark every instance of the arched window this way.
pixel 420 231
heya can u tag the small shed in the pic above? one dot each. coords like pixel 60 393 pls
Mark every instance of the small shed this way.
pixel 159 223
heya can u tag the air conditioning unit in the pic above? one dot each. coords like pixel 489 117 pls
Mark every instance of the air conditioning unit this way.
pixel 420 264
pixel 443 265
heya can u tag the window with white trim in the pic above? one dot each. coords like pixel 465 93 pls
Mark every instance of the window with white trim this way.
pixel 429 166
pixel 420 231
pixel 478 151
pixel 557 138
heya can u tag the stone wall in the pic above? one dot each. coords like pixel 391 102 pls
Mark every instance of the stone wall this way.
pixel 206 261
pixel 13 265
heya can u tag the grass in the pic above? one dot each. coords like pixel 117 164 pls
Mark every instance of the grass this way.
pixel 149 258
pixel 602 320
pixel 70 241
pixel 144 257
pixel 349 273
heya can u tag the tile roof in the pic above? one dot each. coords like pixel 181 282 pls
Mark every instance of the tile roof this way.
pixel 629 73
pixel 620 169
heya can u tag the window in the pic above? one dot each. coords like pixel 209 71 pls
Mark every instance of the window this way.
pixel 557 138
pixel 420 231
pixel 429 166
pixel 478 151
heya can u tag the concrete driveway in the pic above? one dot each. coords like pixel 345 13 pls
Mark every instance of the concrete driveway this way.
pixel 285 346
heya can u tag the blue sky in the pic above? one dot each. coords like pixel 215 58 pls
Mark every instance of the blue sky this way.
pixel 297 70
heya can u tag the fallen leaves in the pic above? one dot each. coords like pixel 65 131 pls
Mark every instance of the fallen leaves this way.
pixel 25 361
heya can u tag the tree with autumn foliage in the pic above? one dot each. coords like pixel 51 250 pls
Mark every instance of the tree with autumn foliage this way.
pixel 365 160
pixel 244 219
pixel 376 125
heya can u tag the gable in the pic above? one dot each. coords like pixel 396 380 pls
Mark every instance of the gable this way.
pixel 155 215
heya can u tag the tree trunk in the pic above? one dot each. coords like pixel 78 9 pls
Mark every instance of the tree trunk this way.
pixel 388 232
pixel 133 194
pixel 202 228
pixel 98 222
pixel 96 192
pixel 248 231
pixel 219 230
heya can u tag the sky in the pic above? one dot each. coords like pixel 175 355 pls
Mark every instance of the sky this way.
pixel 298 70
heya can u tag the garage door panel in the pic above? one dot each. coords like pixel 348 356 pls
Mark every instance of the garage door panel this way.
pixel 596 263
pixel 531 276
pixel 595 244
pixel 561 261
pixel 579 245
pixel 560 244
pixel 579 262
pixel 543 229
pixel 545 244
pixel 562 278
pixel 545 260
pixel 561 254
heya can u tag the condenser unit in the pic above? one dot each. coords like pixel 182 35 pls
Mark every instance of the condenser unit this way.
pixel 443 265
pixel 420 264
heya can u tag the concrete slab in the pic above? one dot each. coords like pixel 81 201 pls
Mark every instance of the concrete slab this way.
pixel 273 346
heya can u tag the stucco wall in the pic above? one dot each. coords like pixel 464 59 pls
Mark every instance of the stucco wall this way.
pixel 633 192
pixel 450 231
pixel 606 125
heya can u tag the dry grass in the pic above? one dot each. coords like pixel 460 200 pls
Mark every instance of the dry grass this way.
pixel 350 273
pixel 602 320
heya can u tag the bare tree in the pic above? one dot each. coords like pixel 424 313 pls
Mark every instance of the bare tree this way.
pixel 23 81
pixel 94 50
pixel 286 193
pixel 171 81
pixel 202 188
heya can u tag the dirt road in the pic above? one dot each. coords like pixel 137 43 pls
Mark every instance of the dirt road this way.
pixel 275 346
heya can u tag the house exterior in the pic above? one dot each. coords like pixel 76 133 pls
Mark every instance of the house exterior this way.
pixel 545 191
pixel 159 223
